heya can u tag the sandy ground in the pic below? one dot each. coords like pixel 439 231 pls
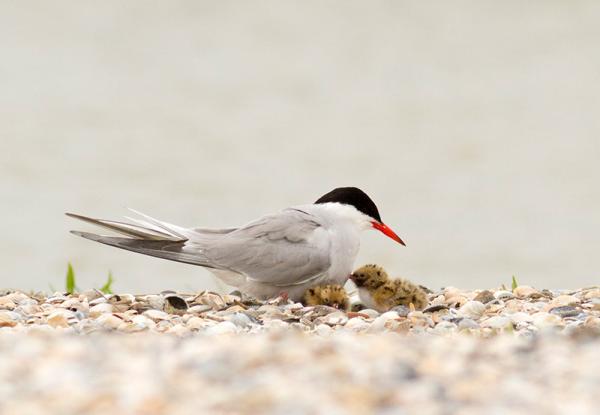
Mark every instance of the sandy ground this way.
pixel 498 351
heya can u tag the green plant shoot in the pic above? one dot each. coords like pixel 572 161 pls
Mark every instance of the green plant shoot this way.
pixel 107 287
pixel 70 280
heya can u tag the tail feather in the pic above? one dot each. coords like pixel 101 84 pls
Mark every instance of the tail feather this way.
pixel 130 230
pixel 166 249
pixel 173 230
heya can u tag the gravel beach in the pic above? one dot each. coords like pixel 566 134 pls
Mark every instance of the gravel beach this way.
pixel 499 351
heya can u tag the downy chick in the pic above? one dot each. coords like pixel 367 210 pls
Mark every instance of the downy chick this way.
pixel 332 295
pixel 379 292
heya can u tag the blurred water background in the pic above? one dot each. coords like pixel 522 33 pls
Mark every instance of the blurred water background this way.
pixel 475 126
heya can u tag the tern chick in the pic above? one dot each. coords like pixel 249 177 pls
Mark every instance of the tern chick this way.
pixel 380 292
pixel 332 295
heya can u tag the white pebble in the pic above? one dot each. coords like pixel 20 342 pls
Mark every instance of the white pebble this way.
pixel 323 330
pixel 370 312
pixel 9 318
pixel 378 324
pixel 143 322
pixel 337 318
pixel 156 315
pixel 197 323
pixel 472 309
pixel 503 295
pixel 444 327
pixel 356 324
pixel 240 320
pixel 225 327
pixel 544 320
pixel 467 323
pixel 108 321
pixel 101 308
pixel 497 322
pixel 564 300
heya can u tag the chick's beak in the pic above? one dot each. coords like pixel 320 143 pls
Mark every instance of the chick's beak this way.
pixel 383 228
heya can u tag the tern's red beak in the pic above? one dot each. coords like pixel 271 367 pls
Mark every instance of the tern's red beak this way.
pixel 383 228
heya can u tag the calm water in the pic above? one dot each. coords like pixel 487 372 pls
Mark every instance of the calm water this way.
pixel 474 126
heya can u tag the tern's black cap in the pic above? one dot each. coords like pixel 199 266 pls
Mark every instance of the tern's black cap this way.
pixel 352 196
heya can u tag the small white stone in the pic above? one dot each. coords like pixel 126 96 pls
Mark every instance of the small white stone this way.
pixel 595 293
pixel 9 318
pixel 99 300
pixel 444 327
pixel 179 330
pixel 520 317
pixel 275 325
pixel 544 320
pixel 7 303
pixel 467 323
pixel 197 323
pixel 59 318
pixel 108 321
pixel 503 295
pixel 497 322
pixel 101 308
pixel 564 300
pixel 323 330
pixel 143 322
pixel 524 291
pixel 225 327
pixel 370 312
pixel 357 324
pixel 378 325
pixel 157 302
pixel 338 318
pixel 240 320
pixel 472 309
pixel 156 315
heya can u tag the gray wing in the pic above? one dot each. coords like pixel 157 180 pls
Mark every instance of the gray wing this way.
pixel 287 248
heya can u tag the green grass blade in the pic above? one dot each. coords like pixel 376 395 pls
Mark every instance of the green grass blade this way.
pixel 70 282
pixel 107 287
pixel 515 284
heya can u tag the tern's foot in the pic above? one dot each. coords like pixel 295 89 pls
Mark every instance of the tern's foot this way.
pixel 332 295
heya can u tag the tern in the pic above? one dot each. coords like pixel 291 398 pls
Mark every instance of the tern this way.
pixel 285 252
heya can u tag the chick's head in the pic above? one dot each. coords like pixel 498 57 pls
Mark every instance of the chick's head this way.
pixel 329 295
pixel 369 276
pixel 335 296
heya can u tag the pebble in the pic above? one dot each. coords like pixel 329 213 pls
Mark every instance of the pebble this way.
pixel 240 319
pixel 564 300
pixel 444 327
pixel 156 315
pixel 467 323
pixel 9 318
pixel 370 312
pixel 565 311
pixel 472 310
pixel 525 312
pixel 543 320
pixel 225 327
pixel 108 321
pixel 58 319
pixel 323 330
pixel 524 291
pixel 497 322
pixel 357 324
pixel 100 308
pixel 402 310
pixel 378 324
pixel 503 295
pixel 484 297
